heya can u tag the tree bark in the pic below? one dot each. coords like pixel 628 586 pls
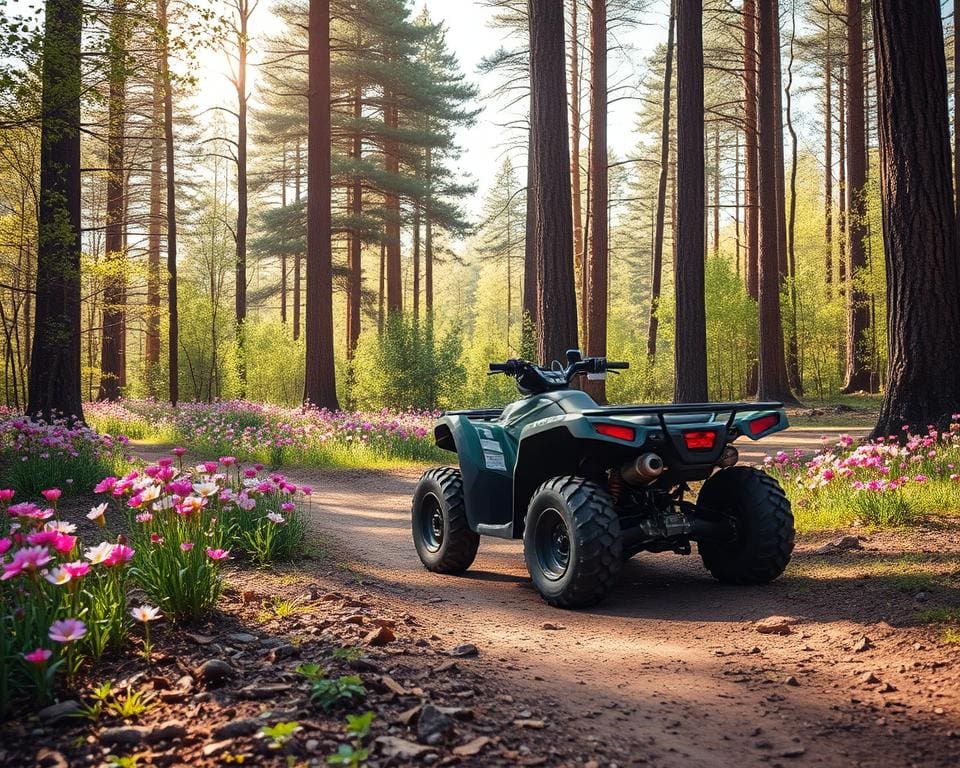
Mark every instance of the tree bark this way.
pixel 919 226
pixel 392 208
pixel 244 10
pixel 579 246
pixel 690 352
pixel 772 381
pixel 320 387
pixel 173 324
pixel 595 296
pixel 530 291
pixel 428 239
pixel 298 259
pixel 354 262
pixel 553 240
pixel 283 244
pixel 113 339
pixel 656 279
pixel 751 184
pixel 54 385
pixel 793 344
pixel 828 163
pixel 154 235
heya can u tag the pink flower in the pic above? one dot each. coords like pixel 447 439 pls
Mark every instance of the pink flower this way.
pixel 210 467
pixel 64 543
pixel 135 501
pixel 27 559
pixel 228 461
pixel 67 630
pixel 5 543
pixel 23 509
pixel 186 546
pixel 144 517
pixel 166 462
pixel 178 452
pixel 249 473
pixel 306 490
pixel 288 506
pixel 152 471
pixel 218 554
pixel 42 538
pixel 156 538
pixel 51 495
pixel 105 485
pixel 120 554
pixel 77 569
pixel 6 494
pixel 39 657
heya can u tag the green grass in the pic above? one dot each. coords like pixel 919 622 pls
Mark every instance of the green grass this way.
pixel 863 413
pixel 950 636
pixel 938 615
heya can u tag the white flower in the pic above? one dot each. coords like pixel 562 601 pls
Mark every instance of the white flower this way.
pixel 205 489
pixel 145 613
pixel 97 512
pixel 150 493
pixel 245 502
pixel 165 503
pixel 275 517
pixel 58 576
pixel 98 553
pixel 61 526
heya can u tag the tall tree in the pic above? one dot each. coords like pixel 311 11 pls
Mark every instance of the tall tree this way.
pixel 690 353
pixel 656 278
pixel 751 184
pixel 828 161
pixel 576 189
pixel 919 228
pixel 54 385
pixel 320 387
pixel 772 381
pixel 549 136
pixel 597 266
pixel 858 375
pixel 113 343
pixel 154 237
pixel 173 324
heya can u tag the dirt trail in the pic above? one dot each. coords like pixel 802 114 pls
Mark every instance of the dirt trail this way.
pixel 670 670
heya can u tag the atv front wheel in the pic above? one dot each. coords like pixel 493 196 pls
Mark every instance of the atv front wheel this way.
pixel 572 542
pixel 761 548
pixel 441 534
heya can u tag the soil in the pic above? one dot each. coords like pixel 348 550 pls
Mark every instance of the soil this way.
pixel 831 665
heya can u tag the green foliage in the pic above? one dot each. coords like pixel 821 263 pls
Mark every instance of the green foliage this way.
pixel 354 753
pixel 274 361
pixel 348 653
pixel 280 733
pixel 328 693
pixel 128 705
pixel 412 364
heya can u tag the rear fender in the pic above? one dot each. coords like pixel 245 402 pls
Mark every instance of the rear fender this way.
pixel 753 424
pixel 487 458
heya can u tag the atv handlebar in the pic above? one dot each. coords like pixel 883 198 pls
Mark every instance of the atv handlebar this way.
pixel 533 378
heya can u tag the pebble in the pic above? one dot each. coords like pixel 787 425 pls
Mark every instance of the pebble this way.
pixel 214 671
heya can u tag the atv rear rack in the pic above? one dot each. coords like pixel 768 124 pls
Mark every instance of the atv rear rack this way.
pixel 482 414
pixel 662 411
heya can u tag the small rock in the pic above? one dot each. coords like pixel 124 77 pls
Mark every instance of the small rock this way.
pixel 863 644
pixel 886 688
pixel 124 735
pixel 50 758
pixel 355 619
pixel 265 690
pixel 551 627
pixel 236 728
pixel 447 666
pixel 537 725
pixel 463 651
pixel 380 636
pixel 216 747
pixel 776 625
pixel 393 746
pixel 848 542
pixel 168 731
pixel 793 752
pixel 57 712
pixel 826 549
pixel 472 747
pixel 791 680
pixel 869 678
pixel 214 671
pixel 199 639
pixel 920 597
pixel 249 596
pixel 408 716
pixel 433 726
pixel 243 638
pixel 393 686
pixel 285 651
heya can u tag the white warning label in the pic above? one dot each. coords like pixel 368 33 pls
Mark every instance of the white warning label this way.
pixel 494 460
pixel 491 445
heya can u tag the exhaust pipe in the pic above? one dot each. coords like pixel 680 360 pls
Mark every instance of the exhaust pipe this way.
pixel 642 470
pixel 729 457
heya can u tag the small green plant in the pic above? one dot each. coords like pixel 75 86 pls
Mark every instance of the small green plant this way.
pixel 938 615
pixel 950 636
pixel 348 653
pixel 99 697
pixel 125 761
pixel 354 754
pixel 327 692
pixel 132 704
pixel 280 733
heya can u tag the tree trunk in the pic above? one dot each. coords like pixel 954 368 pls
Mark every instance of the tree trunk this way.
pixel 595 296
pixel 579 247
pixel 354 261
pixel 923 314
pixel 772 381
pixel 428 239
pixel 283 242
pixel 828 162
pixel 391 206
pixel 154 235
pixel 690 352
pixel 716 189
pixel 416 261
pixel 54 386
pixel 793 345
pixel 113 340
pixel 298 259
pixel 780 165
pixel 659 226
pixel 243 8
pixel 956 114
pixel 842 188
pixel 382 293
pixel 858 376
pixel 553 241
pixel 530 324
pixel 751 183
pixel 320 388
pixel 173 325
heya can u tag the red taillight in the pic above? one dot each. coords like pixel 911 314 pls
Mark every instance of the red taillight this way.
pixel 701 440
pixel 617 431
pixel 758 426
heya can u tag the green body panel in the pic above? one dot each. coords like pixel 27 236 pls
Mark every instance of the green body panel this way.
pixel 504 456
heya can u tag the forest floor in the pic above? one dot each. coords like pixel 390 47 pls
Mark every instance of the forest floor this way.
pixel 847 660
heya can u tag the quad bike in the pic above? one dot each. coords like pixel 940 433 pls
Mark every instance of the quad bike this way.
pixel 587 487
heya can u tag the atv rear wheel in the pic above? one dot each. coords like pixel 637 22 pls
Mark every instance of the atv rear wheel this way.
pixel 572 542
pixel 764 526
pixel 441 534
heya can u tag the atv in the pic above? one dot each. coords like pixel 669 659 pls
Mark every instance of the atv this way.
pixel 587 487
